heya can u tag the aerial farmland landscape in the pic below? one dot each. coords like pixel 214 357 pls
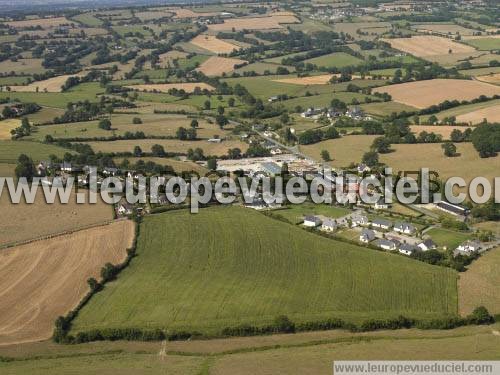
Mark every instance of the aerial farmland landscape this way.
pixel 249 187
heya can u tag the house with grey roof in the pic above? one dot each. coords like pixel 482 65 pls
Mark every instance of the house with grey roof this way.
pixel 367 235
pixel 405 228
pixel 407 249
pixel 469 247
pixel 381 223
pixel 329 225
pixel 427 245
pixel 385 244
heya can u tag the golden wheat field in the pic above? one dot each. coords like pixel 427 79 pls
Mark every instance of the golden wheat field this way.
pixel 211 43
pixel 45 279
pixel 422 94
pixel 164 87
pixel 216 66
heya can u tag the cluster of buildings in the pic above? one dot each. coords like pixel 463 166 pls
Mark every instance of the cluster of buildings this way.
pixel 354 113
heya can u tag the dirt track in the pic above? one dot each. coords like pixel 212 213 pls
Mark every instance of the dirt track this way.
pixel 45 279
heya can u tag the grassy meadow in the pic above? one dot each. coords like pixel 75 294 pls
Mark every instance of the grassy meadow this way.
pixel 201 276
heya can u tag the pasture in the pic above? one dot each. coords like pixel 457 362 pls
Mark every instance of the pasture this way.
pixel 422 94
pixel 45 279
pixel 201 276
pixel 253 23
pixel 336 59
pixel 164 87
pixel 447 238
pixel 478 286
pixel 485 44
pixel 216 66
pixel 383 109
pixel 412 157
pixel 212 44
pixel 170 145
pixel 343 151
pixel 10 151
pixel 152 125
pixel 21 222
pixel 283 354
pixel 49 22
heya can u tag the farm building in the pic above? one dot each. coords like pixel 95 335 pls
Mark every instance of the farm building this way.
pixel 453 208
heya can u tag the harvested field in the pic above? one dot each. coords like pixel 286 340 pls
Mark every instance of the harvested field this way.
pixel 167 57
pixel 215 65
pixel 412 157
pixel 211 43
pixel 428 45
pixel 322 79
pixel 255 23
pixel 422 94
pixel 444 29
pixel 343 151
pixel 49 85
pixel 43 22
pixel 490 78
pixel 492 114
pixel 170 145
pixel 164 87
pixel 6 126
pixel 21 222
pixel 45 279
pixel 478 286
pixel 188 13
pixel 22 66
pixel 443 130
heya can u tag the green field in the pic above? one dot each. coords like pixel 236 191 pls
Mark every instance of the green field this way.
pixel 486 44
pixel 201 272
pixel 449 238
pixel 88 19
pixel 336 59
pixel 324 100
pixel 82 92
pixel 10 151
pixel 386 108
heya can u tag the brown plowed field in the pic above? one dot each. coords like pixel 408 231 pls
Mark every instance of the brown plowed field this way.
pixel 45 279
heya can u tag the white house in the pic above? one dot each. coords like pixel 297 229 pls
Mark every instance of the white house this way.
pixel 381 223
pixel 215 140
pixel 469 247
pixel 363 168
pixel 329 225
pixel 407 249
pixel 125 208
pixel 386 244
pixel 405 228
pixel 367 235
pixel 312 221
pixel 360 220
pixel 427 245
